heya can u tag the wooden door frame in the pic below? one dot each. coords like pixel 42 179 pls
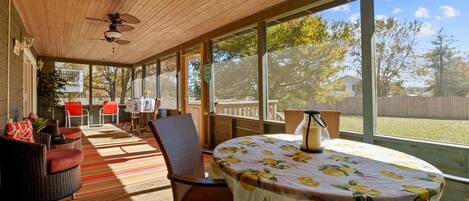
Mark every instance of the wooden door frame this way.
pixel 204 51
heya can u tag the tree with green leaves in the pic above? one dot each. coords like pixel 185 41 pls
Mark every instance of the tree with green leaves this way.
pixel 395 53
pixel 448 67
pixel 106 82
pixel 50 88
pixel 305 58
pixel 194 82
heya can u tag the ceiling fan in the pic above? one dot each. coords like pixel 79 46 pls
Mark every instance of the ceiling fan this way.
pixel 118 24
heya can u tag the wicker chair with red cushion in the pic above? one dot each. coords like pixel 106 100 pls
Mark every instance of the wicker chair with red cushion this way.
pixel 179 142
pixel 30 171
pixel 61 135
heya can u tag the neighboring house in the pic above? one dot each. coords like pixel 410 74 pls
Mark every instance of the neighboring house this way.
pixel 351 85
pixel 74 79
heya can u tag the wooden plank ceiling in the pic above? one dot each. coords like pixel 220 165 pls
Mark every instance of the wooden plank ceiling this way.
pixel 60 28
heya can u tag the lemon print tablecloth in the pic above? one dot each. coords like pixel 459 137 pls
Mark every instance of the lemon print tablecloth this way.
pixel 271 167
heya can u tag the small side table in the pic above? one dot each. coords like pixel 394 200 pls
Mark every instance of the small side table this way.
pixel 62 144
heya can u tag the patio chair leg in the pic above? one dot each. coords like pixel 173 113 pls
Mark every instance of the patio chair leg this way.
pixel 69 122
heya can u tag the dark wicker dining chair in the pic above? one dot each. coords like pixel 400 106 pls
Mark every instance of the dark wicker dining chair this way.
pixel 178 140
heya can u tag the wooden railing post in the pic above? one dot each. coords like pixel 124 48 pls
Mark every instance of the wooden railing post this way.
pixel 262 73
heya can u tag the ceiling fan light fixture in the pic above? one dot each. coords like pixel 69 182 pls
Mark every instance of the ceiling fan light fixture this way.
pixel 113 34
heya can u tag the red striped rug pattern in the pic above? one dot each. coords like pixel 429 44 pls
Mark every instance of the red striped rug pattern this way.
pixel 117 165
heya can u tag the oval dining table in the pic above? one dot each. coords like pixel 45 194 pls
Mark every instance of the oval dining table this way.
pixel 272 167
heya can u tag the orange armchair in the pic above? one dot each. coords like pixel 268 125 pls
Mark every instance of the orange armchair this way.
pixel 110 108
pixel 75 110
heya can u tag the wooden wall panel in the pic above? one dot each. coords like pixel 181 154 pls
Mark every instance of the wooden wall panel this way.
pixel 222 129
pixel 15 72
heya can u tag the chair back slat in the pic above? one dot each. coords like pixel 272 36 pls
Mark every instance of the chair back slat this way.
pixel 179 142
pixel 110 107
pixel 74 108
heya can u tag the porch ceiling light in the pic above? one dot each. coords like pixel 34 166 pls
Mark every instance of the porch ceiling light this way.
pixel 113 34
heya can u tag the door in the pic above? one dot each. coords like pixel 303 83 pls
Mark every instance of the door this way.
pixel 192 62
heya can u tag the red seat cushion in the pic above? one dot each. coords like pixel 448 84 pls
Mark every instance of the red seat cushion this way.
pixel 21 130
pixel 70 133
pixel 63 159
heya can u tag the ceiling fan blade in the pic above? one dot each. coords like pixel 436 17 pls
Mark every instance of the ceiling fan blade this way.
pixel 97 39
pixel 122 42
pixel 96 19
pixel 125 28
pixel 127 18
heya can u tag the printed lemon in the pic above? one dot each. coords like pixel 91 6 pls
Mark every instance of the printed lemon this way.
pixel 265 174
pixel 268 152
pixel 248 181
pixel 228 150
pixel 332 172
pixel 364 190
pixel 232 160
pixel 347 169
pixel 299 156
pixel 338 158
pixel 423 193
pixel 307 181
pixel 391 175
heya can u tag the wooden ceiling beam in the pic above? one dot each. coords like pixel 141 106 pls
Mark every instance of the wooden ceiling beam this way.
pixel 80 61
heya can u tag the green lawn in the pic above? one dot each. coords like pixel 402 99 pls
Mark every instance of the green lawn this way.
pixel 451 131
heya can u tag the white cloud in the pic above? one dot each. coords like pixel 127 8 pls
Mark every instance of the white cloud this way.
pixel 426 30
pixel 449 11
pixel 354 17
pixel 438 17
pixel 342 8
pixel 380 17
pixel 422 12
pixel 396 11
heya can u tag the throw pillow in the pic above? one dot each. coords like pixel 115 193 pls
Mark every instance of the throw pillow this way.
pixel 22 130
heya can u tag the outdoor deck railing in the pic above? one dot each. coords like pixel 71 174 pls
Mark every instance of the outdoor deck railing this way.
pixel 247 109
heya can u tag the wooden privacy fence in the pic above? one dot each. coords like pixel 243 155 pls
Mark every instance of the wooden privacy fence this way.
pixel 415 107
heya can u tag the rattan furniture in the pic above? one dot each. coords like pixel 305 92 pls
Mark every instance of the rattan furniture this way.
pixel 62 136
pixel 29 173
pixel 178 140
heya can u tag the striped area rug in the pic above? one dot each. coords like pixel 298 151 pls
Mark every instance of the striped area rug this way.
pixel 118 166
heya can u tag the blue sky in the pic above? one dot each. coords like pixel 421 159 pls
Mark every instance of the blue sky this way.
pixel 451 15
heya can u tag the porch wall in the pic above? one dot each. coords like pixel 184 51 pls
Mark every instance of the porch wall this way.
pixel 16 65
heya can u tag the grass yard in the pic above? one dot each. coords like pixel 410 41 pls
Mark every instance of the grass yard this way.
pixel 451 131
